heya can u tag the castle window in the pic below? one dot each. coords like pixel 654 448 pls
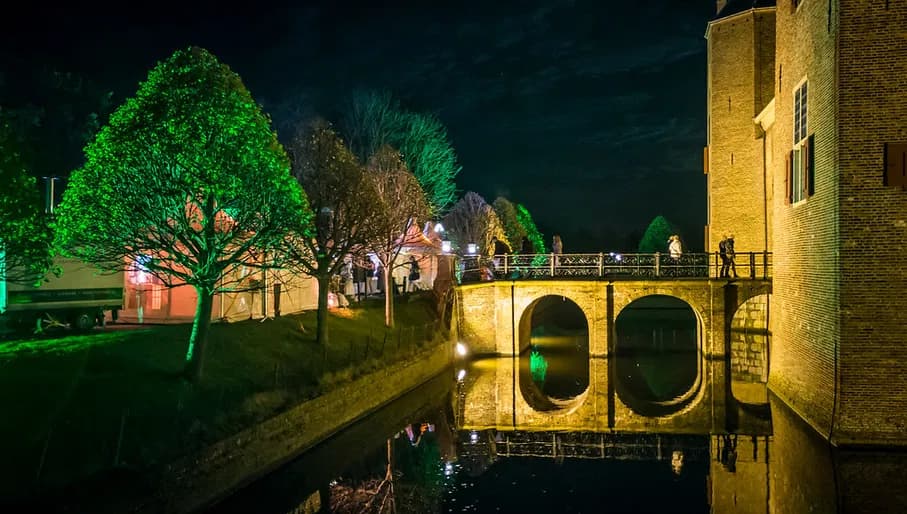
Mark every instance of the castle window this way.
pixel 800 161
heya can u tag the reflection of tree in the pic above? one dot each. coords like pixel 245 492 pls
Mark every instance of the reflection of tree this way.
pixel 411 482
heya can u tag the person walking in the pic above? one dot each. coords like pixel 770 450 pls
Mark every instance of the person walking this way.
pixel 414 272
pixel 731 254
pixel 722 252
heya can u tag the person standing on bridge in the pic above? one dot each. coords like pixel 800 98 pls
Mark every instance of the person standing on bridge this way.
pixel 731 254
pixel 675 249
pixel 557 247
pixel 726 252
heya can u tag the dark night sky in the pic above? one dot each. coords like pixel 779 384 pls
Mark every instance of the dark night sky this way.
pixel 590 113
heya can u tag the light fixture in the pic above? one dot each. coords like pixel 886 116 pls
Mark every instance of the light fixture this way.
pixel 439 227
pixel 445 246
pixel 461 349
pixel 461 375
pixel 471 248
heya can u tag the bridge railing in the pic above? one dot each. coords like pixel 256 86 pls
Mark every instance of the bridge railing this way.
pixel 636 266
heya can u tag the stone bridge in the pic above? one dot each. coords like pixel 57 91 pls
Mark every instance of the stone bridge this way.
pixel 493 319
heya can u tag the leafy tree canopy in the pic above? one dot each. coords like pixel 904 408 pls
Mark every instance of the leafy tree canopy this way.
pixel 532 232
pixel 376 119
pixel 188 177
pixel 25 236
pixel 655 238
pixel 507 213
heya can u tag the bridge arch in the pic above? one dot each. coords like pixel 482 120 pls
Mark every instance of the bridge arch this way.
pixel 658 355
pixel 554 360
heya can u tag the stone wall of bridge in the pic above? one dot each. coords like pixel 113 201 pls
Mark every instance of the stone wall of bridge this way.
pixel 493 317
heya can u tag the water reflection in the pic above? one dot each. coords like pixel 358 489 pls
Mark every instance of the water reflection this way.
pixel 657 354
pixel 438 450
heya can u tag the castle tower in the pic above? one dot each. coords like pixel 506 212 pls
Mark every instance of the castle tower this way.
pixel 741 49
pixel 839 126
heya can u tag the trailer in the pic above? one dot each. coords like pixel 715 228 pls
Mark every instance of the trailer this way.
pixel 79 296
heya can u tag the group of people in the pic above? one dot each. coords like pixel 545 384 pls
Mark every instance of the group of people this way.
pixel 727 254
pixel 362 273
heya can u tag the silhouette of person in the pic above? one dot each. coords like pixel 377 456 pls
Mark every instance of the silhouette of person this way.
pixel 731 254
pixel 722 252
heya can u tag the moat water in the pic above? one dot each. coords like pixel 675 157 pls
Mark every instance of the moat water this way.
pixel 656 428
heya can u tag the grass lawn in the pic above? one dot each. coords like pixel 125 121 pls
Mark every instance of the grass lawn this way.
pixel 79 404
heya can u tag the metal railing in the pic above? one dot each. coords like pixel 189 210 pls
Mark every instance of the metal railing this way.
pixel 634 266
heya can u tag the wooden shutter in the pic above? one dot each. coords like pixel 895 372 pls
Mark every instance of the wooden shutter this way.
pixel 808 152
pixel 895 164
pixel 788 179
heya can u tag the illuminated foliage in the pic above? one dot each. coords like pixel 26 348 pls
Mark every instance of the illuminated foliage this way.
pixel 25 237
pixel 655 238
pixel 339 194
pixel 507 213
pixel 400 203
pixel 532 232
pixel 472 220
pixel 538 367
pixel 189 178
pixel 375 119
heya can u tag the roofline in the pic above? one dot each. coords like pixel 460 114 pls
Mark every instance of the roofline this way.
pixel 766 118
pixel 751 10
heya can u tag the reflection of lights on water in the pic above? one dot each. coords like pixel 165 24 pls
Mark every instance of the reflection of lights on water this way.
pixel 448 469
pixel 677 462
pixel 461 349
pixel 473 437
pixel 461 375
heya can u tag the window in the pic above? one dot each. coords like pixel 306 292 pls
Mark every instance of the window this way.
pixel 800 161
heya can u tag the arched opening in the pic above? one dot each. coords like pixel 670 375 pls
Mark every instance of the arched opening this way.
pixel 657 358
pixel 554 361
pixel 749 352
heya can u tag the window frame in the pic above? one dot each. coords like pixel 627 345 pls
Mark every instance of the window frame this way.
pixel 800 158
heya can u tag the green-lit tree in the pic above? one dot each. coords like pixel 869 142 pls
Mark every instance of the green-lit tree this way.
pixel 375 119
pixel 472 220
pixel 188 181
pixel 400 203
pixel 655 238
pixel 25 237
pixel 532 232
pixel 339 193
pixel 507 213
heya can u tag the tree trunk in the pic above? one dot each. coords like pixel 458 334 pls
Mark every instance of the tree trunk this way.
pixel 388 298
pixel 195 354
pixel 322 318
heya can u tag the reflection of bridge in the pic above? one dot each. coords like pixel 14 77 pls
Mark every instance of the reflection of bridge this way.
pixel 612 266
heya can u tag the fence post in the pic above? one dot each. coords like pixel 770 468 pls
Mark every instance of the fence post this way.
pixel 551 264
pixel 601 264
pixel 506 265
pixel 764 264
pixel 717 269
pixel 657 264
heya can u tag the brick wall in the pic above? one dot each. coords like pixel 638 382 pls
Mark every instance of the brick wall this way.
pixel 806 286
pixel 872 81
pixel 740 48
pixel 749 341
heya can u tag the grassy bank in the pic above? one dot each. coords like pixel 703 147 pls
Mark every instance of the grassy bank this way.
pixel 77 405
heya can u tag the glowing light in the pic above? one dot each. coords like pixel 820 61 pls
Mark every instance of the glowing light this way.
pixel 461 375
pixel 445 246
pixel 473 437
pixel 448 469
pixel 461 349
pixel 618 257
pixel 471 248
pixel 538 367
pixel 439 227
